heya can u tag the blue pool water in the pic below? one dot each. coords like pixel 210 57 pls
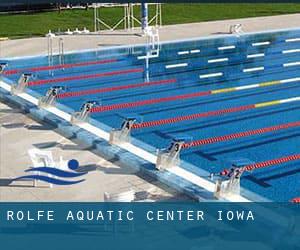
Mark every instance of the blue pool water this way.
pixel 237 61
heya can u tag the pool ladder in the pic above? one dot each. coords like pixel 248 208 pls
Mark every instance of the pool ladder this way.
pixel 50 53
pixel 153 48
pixel 61 53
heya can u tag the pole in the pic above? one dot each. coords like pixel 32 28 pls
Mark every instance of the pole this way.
pixel 95 17
pixel 144 9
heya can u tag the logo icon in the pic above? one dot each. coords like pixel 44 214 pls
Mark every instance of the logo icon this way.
pixel 54 175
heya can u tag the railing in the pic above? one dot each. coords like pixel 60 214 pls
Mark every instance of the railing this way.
pixel 50 50
pixel 61 51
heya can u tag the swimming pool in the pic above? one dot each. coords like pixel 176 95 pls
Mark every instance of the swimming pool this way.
pixel 232 98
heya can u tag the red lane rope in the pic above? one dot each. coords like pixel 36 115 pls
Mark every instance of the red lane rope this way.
pixel 148 102
pixel 191 117
pixel 240 134
pixel 65 66
pixel 265 164
pixel 271 162
pixel 296 200
pixel 71 78
pixel 110 89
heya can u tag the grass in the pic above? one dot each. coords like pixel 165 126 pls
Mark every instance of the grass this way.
pixel 38 24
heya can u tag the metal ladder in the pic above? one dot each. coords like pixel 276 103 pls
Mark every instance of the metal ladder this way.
pixel 61 52
pixel 50 53
pixel 153 47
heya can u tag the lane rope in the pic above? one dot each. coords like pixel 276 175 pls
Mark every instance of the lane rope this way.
pixel 263 164
pixel 191 117
pixel 65 66
pixel 80 77
pixel 160 122
pixel 269 163
pixel 296 200
pixel 240 135
pixel 111 89
pixel 146 102
pixel 188 96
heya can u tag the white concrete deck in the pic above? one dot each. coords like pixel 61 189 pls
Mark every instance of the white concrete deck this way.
pixel 19 133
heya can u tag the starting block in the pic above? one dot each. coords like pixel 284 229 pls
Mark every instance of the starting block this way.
pixel 122 135
pixel 84 113
pixel 226 188
pixel 3 65
pixel 170 157
pixel 50 97
pixel 231 184
pixel 22 84
pixel 236 29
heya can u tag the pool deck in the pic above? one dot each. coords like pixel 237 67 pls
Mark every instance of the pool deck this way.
pixel 38 45
pixel 18 133
pixel 106 176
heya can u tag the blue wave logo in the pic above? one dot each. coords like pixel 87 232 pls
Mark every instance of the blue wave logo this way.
pixel 62 174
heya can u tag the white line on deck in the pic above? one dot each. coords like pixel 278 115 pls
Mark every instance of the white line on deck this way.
pixel 186 52
pixel 193 178
pixel 290 80
pixel 5 86
pixel 226 47
pixel 170 66
pixel 290 51
pixel 195 51
pixel 144 57
pixel 183 52
pixel 211 75
pixel 247 87
pixel 290 99
pixel 256 55
pixel 261 43
pixel 59 113
pixel 292 40
pixel 218 60
pixel 291 64
pixel 253 69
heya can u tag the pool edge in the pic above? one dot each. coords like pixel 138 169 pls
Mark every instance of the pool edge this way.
pixel 105 150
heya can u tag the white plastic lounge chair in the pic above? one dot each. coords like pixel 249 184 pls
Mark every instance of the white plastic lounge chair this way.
pixel 128 196
pixel 42 158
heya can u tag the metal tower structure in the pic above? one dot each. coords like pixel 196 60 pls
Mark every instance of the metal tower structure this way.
pixel 129 20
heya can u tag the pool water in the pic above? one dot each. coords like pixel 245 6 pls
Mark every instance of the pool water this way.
pixel 193 77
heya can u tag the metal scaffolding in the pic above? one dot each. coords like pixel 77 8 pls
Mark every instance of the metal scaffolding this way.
pixel 129 20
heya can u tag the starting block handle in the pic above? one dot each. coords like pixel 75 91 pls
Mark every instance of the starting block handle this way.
pixel 122 135
pixel 127 123
pixel 50 97
pixel 22 83
pixel 3 65
pixel 84 113
pixel 169 157
pixel 230 185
